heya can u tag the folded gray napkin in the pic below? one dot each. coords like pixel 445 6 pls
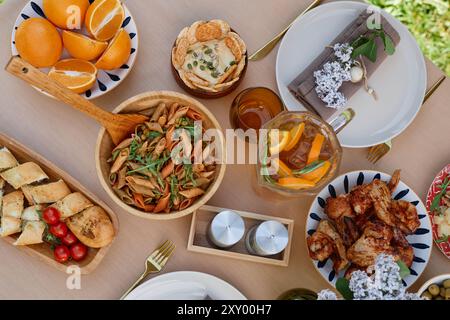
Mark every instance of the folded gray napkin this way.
pixel 303 87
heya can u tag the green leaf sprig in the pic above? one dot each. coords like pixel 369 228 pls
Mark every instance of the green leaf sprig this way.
pixel 437 199
pixel 366 45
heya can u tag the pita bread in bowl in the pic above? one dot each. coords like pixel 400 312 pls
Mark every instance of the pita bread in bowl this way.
pixel 210 58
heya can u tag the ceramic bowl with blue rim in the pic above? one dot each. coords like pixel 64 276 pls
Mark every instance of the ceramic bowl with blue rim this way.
pixel 107 80
pixel 421 240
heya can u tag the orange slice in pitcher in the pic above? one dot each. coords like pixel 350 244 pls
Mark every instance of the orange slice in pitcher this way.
pixel 317 174
pixel 295 183
pixel 278 139
pixel 81 47
pixel 296 134
pixel 77 75
pixel 283 169
pixel 316 147
pixel 104 18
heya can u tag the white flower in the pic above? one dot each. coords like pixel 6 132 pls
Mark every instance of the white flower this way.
pixel 385 283
pixel 343 51
pixel 326 295
pixel 333 73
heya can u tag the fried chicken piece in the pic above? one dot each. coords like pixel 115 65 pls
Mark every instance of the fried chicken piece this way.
pixel 320 246
pixel 340 211
pixel 339 257
pixel 395 179
pixel 381 198
pixel 402 249
pixel 375 240
pixel 348 230
pixel 360 199
pixel 405 214
pixel 338 207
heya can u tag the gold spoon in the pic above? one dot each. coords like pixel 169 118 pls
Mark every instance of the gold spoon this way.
pixel 119 126
pixel 267 48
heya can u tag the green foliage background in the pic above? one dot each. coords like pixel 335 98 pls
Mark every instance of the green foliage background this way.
pixel 429 22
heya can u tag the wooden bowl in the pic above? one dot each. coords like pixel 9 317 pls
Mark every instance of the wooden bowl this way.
pixel 143 102
pixel 43 251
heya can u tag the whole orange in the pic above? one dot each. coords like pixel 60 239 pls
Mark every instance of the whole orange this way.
pixel 38 42
pixel 66 14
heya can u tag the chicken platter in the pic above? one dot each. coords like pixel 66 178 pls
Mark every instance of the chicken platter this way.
pixel 363 224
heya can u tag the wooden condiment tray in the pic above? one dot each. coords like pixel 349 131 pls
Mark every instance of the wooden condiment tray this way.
pixel 199 242
pixel 43 251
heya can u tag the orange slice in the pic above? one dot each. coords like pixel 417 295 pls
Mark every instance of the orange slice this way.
pixel 278 139
pixel 296 134
pixel 77 75
pixel 66 14
pixel 81 47
pixel 283 169
pixel 117 53
pixel 317 174
pixel 316 147
pixel 104 18
pixel 38 42
pixel 295 183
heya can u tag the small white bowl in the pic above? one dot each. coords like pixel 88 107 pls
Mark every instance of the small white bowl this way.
pixel 436 280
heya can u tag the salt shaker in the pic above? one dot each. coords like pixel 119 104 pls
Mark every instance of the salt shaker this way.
pixel 267 239
pixel 226 229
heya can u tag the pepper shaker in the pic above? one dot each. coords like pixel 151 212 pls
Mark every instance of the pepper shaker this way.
pixel 226 229
pixel 267 239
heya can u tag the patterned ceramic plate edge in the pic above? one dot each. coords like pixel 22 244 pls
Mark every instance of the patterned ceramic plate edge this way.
pixel 432 192
pixel 107 80
pixel 421 241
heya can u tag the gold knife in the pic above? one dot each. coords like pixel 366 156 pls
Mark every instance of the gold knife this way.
pixel 267 48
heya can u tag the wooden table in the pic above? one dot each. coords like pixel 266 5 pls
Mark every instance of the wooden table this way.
pixel 67 138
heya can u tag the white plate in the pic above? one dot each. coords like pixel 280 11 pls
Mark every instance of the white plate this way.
pixel 400 81
pixel 160 287
pixel 421 240
pixel 107 80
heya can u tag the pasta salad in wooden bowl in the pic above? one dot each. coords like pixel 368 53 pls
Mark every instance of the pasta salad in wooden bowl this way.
pixel 171 165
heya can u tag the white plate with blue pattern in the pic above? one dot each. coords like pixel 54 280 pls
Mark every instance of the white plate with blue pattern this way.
pixel 421 240
pixel 107 80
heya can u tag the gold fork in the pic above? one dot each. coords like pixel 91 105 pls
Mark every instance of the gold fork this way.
pixel 268 47
pixel 154 263
pixel 379 151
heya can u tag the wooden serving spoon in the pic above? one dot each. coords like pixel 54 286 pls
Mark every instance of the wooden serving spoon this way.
pixel 119 126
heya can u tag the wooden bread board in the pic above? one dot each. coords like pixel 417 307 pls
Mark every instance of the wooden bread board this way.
pixel 43 251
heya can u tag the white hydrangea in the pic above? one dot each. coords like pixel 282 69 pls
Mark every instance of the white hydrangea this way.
pixel 385 284
pixel 343 51
pixel 330 78
pixel 326 295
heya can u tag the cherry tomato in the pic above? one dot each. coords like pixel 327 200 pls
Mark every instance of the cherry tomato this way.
pixel 69 239
pixel 59 230
pixel 51 216
pixel 78 251
pixel 62 253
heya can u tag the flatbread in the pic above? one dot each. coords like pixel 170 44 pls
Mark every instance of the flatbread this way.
pixel 24 174
pixel 48 193
pixel 72 204
pixel 13 205
pixel 92 227
pixel 32 233
pixel 7 160
pixel 32 213
pixel 10 226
